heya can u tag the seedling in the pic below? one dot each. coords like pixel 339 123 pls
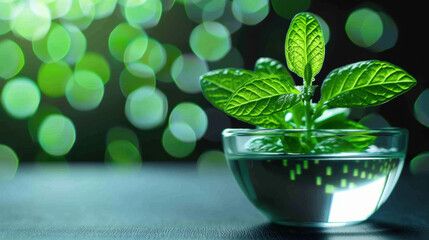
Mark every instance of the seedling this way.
pixel 268 97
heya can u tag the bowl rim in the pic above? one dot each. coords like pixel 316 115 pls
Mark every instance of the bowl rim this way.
pixel 262 131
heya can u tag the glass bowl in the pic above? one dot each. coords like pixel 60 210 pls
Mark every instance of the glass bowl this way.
pixel 316 178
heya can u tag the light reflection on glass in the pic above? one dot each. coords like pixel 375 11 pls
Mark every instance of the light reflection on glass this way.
pixel 356 204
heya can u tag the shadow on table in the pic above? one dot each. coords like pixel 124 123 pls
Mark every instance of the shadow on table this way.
pixel 368 230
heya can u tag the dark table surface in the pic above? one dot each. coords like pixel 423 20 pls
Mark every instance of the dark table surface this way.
pixel 175 201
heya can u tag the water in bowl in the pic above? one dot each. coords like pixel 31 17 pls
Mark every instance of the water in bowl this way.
pixel 309 191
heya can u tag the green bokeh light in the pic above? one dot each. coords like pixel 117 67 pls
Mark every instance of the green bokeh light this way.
pixel 389 37
pixel 104 8
pixel 421 108
pixel 194 9
pixel 81 14
pixel 213 10
pixel 172 53
pixel 364 27
pixel 96 63
pixel 141 70
pixel 145 13
pixel 179 140
pixel 121 4
pixel 186 71
pixel 229 20
pixel 288 8
pixel 374 121
pixel 120 37
pixel 192 115
pixel 167 5
pixel 33 22
pixel 52 78
pixel 154 56
pixel 11 60
pixel 77 44
pixel 204 10
pixel 135 51
pixel 420 164
pixel 5 26
pixel 34 122
pixel 123 152
pixel 20 97
pixel 8 163
pixel 210 41
pixel 144 58
pixel 136 48
pixel 211 161
pixel 180 131
pixel 325 29
pixel 58 8
pixel 231 60
pixel 57 135
pixel 146 108
pixel 9 9
pixel 54 46
pixel 84 90
pixel 129 82
pixel 122 133
pixel 250 12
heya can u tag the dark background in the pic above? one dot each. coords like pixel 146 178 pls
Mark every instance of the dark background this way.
pixel 263 40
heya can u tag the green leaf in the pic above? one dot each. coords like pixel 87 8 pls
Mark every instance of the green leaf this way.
pixel 293 144
pixel 349 142
pixel 262 96
pixel 273 67
pixel 274 121
pixel 310 91
pixel 319 109
pixel 361 141
pixel 218 85
pixel 363 84
pixel 340 124
pixel 331 115
pixel 289 144
pixel 334 145
pixel 265 144
pixel 296 114
pixel 308 74
pixel 304 45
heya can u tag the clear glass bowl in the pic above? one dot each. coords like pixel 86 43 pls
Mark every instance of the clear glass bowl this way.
pixel 318 178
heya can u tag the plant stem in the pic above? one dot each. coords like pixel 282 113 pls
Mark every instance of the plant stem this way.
pixel 308 117
pixel 307 102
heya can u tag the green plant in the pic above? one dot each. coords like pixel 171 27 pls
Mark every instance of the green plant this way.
pixel 268 97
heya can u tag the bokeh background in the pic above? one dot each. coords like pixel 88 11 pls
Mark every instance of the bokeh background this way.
pixel 116 81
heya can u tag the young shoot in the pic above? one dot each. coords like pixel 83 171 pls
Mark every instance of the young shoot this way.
pixel 268 96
